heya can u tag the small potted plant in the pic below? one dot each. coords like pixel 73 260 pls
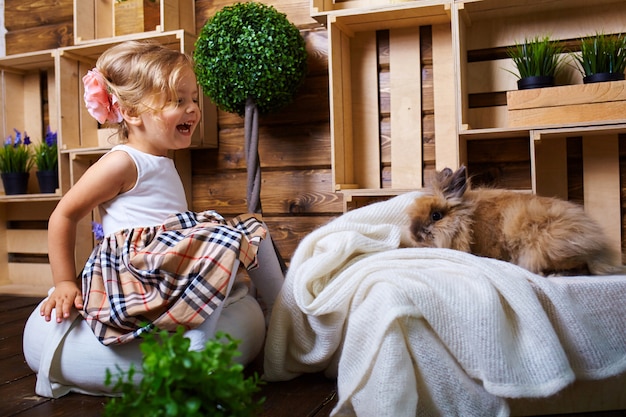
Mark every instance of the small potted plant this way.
pixel 250 60
pixel 537 61
pixel 16 162
pixel 176 381
pixel 602 58
pixel 46 159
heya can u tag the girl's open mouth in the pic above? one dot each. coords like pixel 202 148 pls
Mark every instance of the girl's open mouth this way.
pixel 184 127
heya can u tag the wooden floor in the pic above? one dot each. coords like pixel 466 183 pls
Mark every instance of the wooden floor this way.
pixel 307 396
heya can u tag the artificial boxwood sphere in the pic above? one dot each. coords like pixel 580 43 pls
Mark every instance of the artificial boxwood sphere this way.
pixel 250 50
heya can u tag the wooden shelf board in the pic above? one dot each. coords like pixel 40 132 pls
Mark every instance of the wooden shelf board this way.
pixel 29 198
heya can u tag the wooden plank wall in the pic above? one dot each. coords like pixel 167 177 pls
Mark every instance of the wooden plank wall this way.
pixel 34 25
pixel 297 193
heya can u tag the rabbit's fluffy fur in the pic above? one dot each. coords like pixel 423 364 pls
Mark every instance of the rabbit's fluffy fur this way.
pixel 543 235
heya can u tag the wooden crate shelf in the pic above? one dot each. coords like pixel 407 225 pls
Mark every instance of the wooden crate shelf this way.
pixel 483 31
pixel 105 19
pixel 27 88
pixel 355 106
pixel 44 88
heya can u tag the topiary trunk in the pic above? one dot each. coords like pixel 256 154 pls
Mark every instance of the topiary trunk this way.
pixel 251 150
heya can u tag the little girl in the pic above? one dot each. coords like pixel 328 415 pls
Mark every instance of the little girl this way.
pixel 159 264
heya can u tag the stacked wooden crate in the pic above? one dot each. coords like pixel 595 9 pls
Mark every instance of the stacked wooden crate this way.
pixel 42 89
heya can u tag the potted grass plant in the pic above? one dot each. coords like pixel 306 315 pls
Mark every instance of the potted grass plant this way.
pixel 16 162
pixel 537 61
pixel 602 58
pixel 46 159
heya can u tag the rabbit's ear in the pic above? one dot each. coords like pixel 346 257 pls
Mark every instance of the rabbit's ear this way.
pixel 456 185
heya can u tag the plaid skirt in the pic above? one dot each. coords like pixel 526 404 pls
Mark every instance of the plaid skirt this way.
pixel 165 276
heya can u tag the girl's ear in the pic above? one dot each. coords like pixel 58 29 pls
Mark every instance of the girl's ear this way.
pixel 131 118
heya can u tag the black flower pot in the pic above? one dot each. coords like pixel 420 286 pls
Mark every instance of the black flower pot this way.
pixel 538 81
pixel 15 182
pixel 603 76
pixel 48 181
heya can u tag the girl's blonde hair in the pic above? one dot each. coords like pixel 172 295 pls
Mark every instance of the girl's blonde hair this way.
pixel 143 75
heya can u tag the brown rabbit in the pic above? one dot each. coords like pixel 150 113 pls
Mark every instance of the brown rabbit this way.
pixel 544 235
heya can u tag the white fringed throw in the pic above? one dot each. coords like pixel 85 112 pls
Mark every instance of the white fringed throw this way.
pixel 412 332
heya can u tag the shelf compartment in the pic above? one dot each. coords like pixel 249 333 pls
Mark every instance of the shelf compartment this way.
pixel 103 19
pixel 498 157
pixel 600 170
pixel 484 29
pixel 77 128
pixel 355 105
pixel 27 88
pixel 24 266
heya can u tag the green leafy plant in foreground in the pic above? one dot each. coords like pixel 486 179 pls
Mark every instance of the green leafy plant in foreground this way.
pixel 179 382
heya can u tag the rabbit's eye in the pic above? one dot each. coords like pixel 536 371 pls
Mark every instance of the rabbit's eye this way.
pixel 436 216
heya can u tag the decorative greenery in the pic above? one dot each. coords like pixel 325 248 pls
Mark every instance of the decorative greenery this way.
pixel 180 382
pixel 538 56
pixel 15 155
pixel 602 54
pixel 250 50
pixel 45 155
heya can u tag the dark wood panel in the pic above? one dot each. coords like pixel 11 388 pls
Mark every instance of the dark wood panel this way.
pixel 287 232
pixel 279 147
pixel 305 191
pixel 499 150
pixel 310 105
pixel 22 14
pixel 39 38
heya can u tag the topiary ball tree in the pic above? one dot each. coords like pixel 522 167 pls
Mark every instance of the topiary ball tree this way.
pixel 250 60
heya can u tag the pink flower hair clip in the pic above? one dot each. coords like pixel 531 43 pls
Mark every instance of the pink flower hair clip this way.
pixel 101 104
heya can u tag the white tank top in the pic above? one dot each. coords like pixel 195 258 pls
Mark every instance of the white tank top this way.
pixel 158 193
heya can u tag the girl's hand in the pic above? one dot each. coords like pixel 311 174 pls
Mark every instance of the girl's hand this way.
pixel 65 296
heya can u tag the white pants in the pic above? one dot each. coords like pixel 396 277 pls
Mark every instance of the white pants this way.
pixel 67 357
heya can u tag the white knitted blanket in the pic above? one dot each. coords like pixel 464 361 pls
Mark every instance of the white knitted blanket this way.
pixel 412 332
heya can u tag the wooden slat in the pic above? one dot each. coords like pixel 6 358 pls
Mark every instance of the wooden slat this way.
pixel 447 144
pixel 291 192
pixel 339 74
pixel 287 232
pixel 365 153
pixel 549 166
pixel 128 17
pixel 541 98
pixel 27 241
pixel 577 113
pixel 505 25
pixel 297 11
pixel 21 14
pixel 602 184
pixel 406 108
pixel 33 279
pixel 279 147
pixel 39 38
